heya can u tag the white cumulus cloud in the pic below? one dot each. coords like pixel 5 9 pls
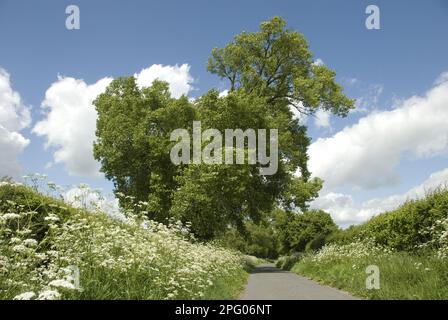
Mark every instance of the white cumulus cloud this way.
pixel 366 154
pixel 319 62
pixel 70 120
pixel 70 123
pixel 14 116
pixel 178 77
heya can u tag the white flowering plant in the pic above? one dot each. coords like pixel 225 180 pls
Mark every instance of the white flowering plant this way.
pixel 134 258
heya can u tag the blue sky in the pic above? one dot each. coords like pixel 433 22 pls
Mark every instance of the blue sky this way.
pixel 382 68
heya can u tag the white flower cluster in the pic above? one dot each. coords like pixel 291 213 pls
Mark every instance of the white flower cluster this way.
pixel 439 237
pixel 358 249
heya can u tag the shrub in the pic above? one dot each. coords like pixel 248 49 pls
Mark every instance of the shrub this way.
pixel 287 262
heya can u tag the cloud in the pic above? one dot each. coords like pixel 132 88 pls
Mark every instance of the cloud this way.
pixel 442 78
pixel 12 145
pixel 319 62
pixel 223 93
pixel 178 77
pixel 14 116
pixel 303 118
pixel 92 199
pixel 340 206
pixel 70 123
pixel 369 99
pixel 70 120
pixel 322 119
pixel 345 211
pixel 350 81
pixel 366 154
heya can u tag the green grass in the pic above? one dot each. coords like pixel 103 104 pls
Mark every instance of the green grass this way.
pixel 402 275
pixel 227 288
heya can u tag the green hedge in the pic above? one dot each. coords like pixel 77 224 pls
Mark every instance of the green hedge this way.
pixel 403 228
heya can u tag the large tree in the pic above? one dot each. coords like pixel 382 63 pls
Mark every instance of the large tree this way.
pixel 133 141
pixel 276 63
pixel 270 72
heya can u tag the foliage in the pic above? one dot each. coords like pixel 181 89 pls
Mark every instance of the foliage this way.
pixel 258 240
pixel 287 262
pixel 276 63
pixel 282 232
pixel 303 232
pixel 269 71
pixel 133 140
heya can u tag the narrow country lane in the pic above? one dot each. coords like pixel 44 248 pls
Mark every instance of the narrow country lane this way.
pixel 266 282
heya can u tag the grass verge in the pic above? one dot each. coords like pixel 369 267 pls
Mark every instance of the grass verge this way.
pixel 402 275
pixel 50 250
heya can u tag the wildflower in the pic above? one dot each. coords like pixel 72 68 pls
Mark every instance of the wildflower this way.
pixel 51 218
pixel 10 216
pixel 19 248
pixel 49 295
pixel 25 296
pixel 15 240
pixel 30 243
pixel 146 247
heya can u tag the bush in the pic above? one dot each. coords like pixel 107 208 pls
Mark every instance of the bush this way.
pixel 250 262
pixel 287 262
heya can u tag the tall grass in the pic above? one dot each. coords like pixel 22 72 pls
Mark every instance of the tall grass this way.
pixel 44 243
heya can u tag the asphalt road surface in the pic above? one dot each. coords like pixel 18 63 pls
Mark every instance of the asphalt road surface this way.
pixel 266 282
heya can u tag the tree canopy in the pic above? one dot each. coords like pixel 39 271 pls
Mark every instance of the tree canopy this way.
pixel 270 72
pixel 276 63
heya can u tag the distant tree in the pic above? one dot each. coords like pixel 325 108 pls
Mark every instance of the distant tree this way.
pixel 258 239
pixel 305 231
